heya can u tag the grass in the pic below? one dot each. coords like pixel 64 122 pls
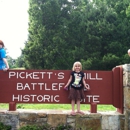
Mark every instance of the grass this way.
pixel 58 107
pixel 17 68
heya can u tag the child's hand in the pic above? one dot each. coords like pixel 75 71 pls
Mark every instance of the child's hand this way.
pixel 66 88
pixel 87 88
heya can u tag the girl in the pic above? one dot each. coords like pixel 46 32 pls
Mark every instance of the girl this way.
pixel 3 62
pixel 77 84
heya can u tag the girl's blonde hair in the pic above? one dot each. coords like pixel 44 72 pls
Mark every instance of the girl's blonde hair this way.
pixel 77 63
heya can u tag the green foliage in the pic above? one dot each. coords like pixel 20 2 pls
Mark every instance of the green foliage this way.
pixel 46 127
pixel 63 127
pixel 11 62
pixel 128 11
pixel 16 63
pixel 19 62
pixel 30 127
pixel 110 60
pixel 62 32
pixel 20 106
pixel 58 107
pixel 4 127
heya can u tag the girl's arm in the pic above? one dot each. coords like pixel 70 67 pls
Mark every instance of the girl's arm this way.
pixel 85 84
pixel 68 81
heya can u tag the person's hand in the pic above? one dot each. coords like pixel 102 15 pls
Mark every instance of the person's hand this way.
pixel 66 88
pixel 129 52
pixel 5 69
pixel 87 88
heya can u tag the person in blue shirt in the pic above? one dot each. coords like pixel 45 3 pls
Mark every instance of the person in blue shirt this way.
pixel 3 61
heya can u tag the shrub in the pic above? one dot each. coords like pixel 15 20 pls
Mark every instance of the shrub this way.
pixel 36 127
pixel 46 127
pixel 63 127
pixel 4 127
pixel 30 127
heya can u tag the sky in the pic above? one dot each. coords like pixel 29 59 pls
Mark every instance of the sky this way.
pixel 14 25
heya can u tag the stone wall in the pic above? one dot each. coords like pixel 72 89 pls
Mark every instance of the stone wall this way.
pixel 89 121
pixel 126 87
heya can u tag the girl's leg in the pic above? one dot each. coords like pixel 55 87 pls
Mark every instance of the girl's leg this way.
pixel 73 110
pixel 78 108
pixel 78 105
pixel 73 104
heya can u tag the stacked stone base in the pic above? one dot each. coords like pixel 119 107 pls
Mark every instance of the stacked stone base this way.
pixel 89 121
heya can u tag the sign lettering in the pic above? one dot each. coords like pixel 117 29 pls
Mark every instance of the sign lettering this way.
pixel 47 86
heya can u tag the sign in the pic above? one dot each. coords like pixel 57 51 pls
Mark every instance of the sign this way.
pixel 47 86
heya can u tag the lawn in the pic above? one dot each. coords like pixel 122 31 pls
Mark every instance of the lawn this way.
pixel 58 107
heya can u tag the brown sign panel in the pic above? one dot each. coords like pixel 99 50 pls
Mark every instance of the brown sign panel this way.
pixel 46 86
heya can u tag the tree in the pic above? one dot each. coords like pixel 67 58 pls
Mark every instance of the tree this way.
pixel 11 62
pixel 62 32
pixel 19 62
